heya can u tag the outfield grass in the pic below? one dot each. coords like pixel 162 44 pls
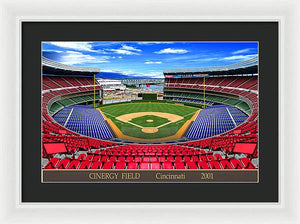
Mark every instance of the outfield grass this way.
pixel 114 111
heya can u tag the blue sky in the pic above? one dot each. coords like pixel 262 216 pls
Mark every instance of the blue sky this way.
pixel 148 59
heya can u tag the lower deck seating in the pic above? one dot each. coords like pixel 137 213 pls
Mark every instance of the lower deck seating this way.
pixel 98 161
pixel 215 120
pixel 84 120
pixel 149 157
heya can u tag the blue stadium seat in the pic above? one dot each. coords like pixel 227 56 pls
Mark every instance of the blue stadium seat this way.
pixel 84 120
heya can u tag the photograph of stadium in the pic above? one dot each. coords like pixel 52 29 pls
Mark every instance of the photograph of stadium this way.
pixel 166 106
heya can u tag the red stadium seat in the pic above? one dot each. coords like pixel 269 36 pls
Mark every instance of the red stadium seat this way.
pixel 192 165
pixel 153 159
pixel 129 158
pixel 170 159
pixel 247 163
pixel 226 164
pixel 120 165
pixel 203 165
pixel 203 158
pixel 195 158
pixel 218 156
pixel 73 164
pixel 138 159
pixel 161 159
pixel 179 165
pixel 85 164
pixel 121 158
pixel 108 165
pixel 144 165
pixel 145 159
pixel 214 165
pixel 236 163
pixel 97 152
pixel 63 163
pixel 52 163
pixel 178 159
pixel 112 159
pixel 155 165
pixel 167 165
pixel 104 158
pixel 81 157
pixel 89 157
pixel 96 165
pixel 187 159
pixel 210 157
pixel 96 158
pixel 132 165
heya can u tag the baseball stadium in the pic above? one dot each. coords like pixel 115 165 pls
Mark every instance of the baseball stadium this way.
pixel 204 118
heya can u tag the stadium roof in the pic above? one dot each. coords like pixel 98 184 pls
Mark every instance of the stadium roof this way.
pixel 249 65
pixel 56 68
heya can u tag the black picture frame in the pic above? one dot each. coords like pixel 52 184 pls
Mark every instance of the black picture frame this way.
pixel 266 33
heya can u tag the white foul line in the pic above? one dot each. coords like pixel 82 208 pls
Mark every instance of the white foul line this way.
pixel 68 117
pixel 231 117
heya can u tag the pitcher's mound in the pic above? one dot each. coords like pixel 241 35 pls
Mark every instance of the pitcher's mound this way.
pixel 149 120
pixel 149 130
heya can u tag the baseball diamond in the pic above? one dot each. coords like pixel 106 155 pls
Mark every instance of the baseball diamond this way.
pixel 149 121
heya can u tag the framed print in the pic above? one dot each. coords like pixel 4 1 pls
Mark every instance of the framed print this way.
pixel 157 110
pixel 55 54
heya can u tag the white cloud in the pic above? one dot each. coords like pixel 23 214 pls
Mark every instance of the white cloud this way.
pixel 53 51
pixel 152 62
pixel 109 70
pixel 238 57
pixel 75 58
pixel 155 74
pixel 181 57
pixel 126 50
pixel 114 57
pixel 130 48
pixel 229 58
pixel 242 51
pixel 171 51
pixel 80 46
pixel 205 59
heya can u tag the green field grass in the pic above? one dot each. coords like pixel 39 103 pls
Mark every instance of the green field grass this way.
pixel 156 121
pixel 114 111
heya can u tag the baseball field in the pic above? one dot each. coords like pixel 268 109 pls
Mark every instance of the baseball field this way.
pixel 149 120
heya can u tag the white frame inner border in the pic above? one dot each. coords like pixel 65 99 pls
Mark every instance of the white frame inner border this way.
pixel 11 15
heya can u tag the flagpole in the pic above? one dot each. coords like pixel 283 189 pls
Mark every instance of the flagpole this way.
pixel 94 91
pixel 204 91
